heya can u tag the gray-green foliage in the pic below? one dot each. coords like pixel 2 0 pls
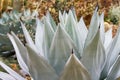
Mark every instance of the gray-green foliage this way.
pixel 11 22
pixel 114 14
pixel 50 57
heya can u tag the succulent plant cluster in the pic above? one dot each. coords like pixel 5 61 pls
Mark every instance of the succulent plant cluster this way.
pixel 11 22
pixel 114 14
pixel 67 51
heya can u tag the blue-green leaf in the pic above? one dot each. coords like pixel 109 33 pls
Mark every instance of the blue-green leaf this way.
pixel 115 71
pixel 51 20
pixel 27 13
pixel 28 37
pixel 74 70
pixel 70 26
pixel 93 28
pixel 47 37
pixel 5 76
pixel 108 38
pixel 71 29
pixel 39 36
pixel 82 34
pixel 61 18
pixel 102 30
pixel 11 72
pixel 60 49
pixel 94 57
pixel 74 14
pixel 21 51
pixel 39 67
pixel 112 54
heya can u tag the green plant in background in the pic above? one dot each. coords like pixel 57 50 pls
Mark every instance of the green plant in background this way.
pixel 114 14
pixel 11 22
pixel 68 51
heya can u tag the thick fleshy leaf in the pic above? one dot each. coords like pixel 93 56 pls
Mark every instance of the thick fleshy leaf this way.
pixel 82 34
pixel 5 44
pixel 5 76
pixel 39 67
pixel 71 29
pixel 12 17
pixel 39 36
pixel 5 17
pixel 47 37
pixel 108 38
pixel 74 13
pixel 65 16
pixel 61 19
pixel 11 72
pixel 28 37
pixel 51 20
pixel 102 30
pixel 27 13
pixel 60 49
pixel 83 29
pixel 70 26
pixel 112 54
pixel 16 15
pixel 94 57
pixel 93 28
pixel 115 71
pixel 20 50
pixel 74 70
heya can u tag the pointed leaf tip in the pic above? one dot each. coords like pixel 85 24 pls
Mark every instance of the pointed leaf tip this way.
pixel 60 49
pixel 39 68
pixel 21 51
pixel 94 57
pixel 93 28
pixel 72 51
pixel 74 70
pixel 11 72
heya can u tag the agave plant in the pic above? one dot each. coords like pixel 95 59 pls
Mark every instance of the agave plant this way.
pixel 11 21
pixel 68 51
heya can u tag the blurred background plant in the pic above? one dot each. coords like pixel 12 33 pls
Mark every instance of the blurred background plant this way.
pixel 83 7
pixel 113 14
